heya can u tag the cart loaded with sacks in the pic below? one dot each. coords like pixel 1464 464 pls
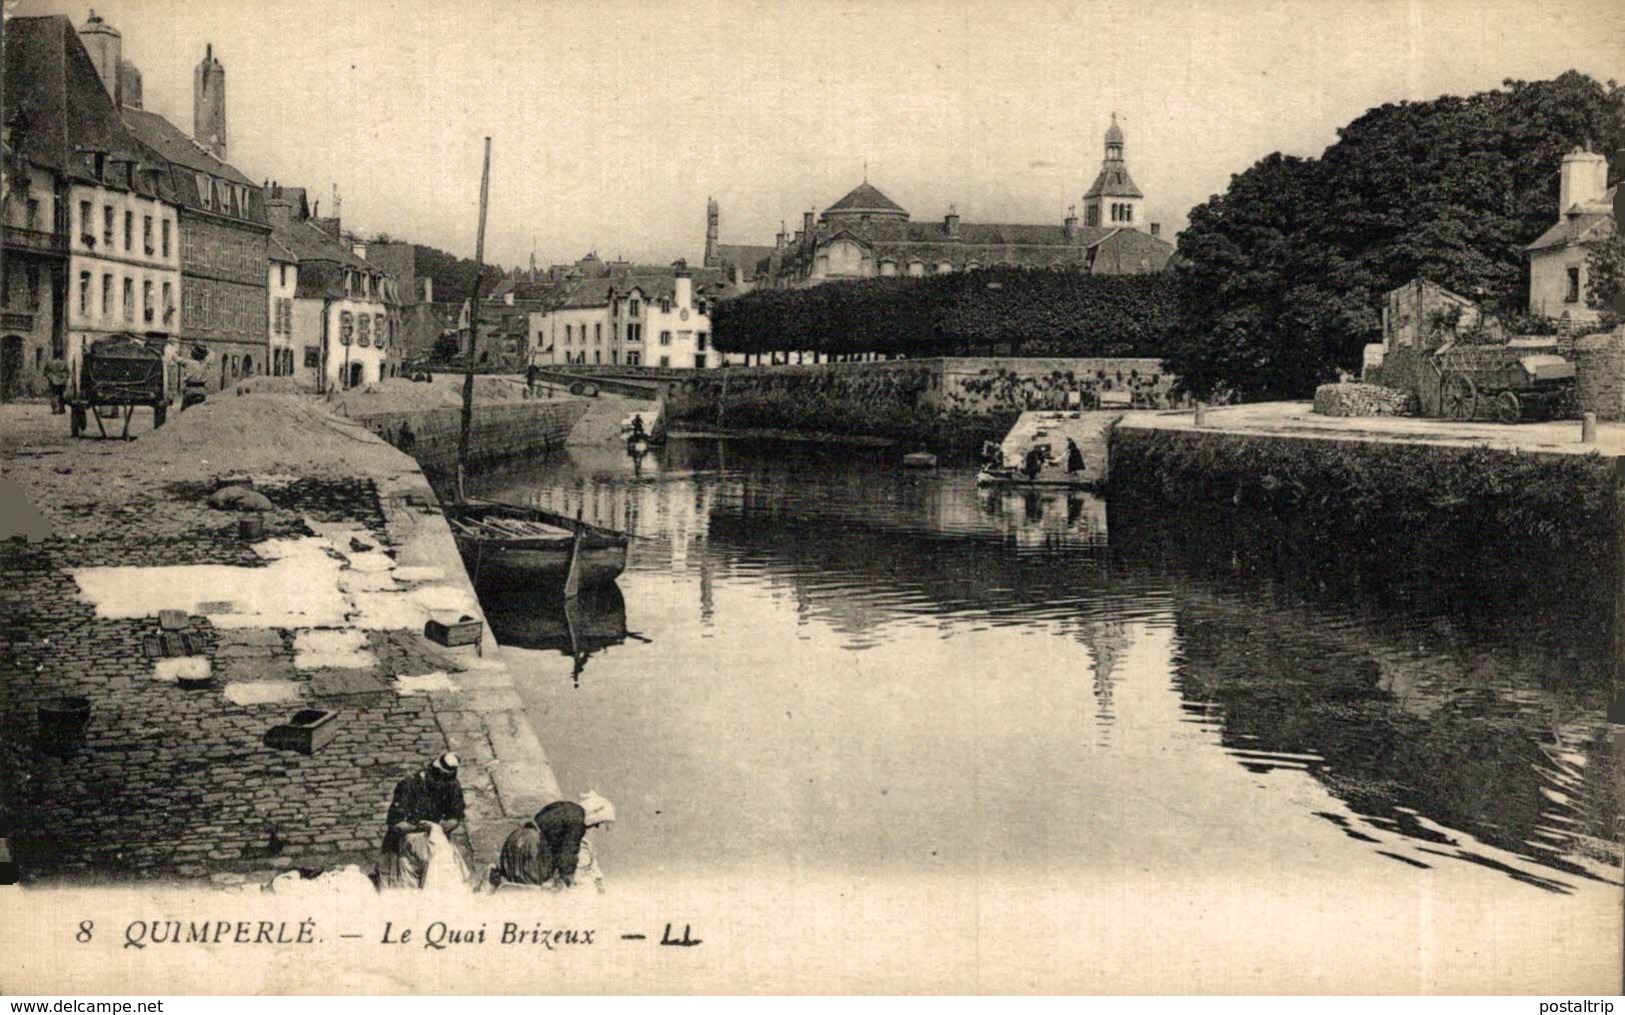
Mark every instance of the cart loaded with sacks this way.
pixel 1508 383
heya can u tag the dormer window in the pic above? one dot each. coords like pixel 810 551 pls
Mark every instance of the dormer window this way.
pixel 632 310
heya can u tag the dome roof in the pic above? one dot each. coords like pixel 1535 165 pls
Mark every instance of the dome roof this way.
pixel 865 198
pixel 1114 134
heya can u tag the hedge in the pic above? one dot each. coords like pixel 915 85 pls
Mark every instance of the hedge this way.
pixel 999 309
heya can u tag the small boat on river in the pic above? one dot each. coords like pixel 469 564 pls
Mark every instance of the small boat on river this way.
pixel 510 546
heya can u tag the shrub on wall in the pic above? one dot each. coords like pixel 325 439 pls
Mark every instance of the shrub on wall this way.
pixel 1364 496
pixel 963 313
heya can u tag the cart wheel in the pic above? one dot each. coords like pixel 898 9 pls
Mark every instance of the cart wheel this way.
pixel 160 413
pixel 76 423
pixel 1507 407
pixel 1459 399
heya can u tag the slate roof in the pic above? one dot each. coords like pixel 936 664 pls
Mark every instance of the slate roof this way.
pixel 745 255
pixel 865 198
pixel 50 79
pixel 594 292
pixel 175 145
pixel 278 252
pixel 1113 181
pixel 1584 224
pixel 185 158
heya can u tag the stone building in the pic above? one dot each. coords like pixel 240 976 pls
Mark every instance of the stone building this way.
pixel 91 238
pixel 866 234
pixel 1557 260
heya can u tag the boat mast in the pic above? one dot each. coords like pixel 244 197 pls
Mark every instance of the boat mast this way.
pixel 473 325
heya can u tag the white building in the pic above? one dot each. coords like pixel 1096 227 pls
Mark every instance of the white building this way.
pixel 84 200
pixel 345 311
pixel 635 320
pixel 1585 218
pixel 282 285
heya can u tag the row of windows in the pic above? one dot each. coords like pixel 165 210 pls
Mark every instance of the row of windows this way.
pixel 150 243
pixel 110 289
pixel 633 358
pixel 222 307
pixel 223 250
pixel 1122 212
pixel 220 196
pixel 362 329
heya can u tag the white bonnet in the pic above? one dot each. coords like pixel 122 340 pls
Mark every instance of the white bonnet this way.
pixel 598 809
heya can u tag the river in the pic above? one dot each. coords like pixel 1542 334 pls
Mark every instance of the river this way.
pixel 822 667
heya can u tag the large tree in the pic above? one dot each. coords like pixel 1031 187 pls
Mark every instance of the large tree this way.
pixel 1282 276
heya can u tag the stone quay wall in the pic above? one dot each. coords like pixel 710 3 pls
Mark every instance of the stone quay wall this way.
pixel 952 402
pixel 500 432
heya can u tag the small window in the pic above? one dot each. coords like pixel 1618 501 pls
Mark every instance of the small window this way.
pixel 597 333
pixel 107 226
pixel 107 295
pixel 282 275
pixel 665 361
pixel 148 310
pixel 632 311
pixel 129 299
pixel 146 234
pixel 84 293
pixel 665 338
pixel 166 238
pixel 85 224
pixel 129 231
pixel 313 357
pixel 169 302
pixel 1573 294
pixel 699 338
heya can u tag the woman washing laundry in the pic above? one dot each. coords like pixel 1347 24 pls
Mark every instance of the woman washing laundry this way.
pixel 551 849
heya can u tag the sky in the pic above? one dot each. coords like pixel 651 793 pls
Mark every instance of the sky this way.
pixel 613 122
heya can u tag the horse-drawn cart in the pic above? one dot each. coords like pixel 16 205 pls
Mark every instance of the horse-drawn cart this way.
pixel 119 373
pixel 1513 383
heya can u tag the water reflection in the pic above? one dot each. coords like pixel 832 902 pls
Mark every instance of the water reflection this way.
pixel 832 637
pixel 577 627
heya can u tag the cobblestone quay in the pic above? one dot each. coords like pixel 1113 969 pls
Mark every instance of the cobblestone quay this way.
pixel 179 783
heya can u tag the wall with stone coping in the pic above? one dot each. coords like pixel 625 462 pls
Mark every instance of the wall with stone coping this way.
pixel 972 385
pixel 500 432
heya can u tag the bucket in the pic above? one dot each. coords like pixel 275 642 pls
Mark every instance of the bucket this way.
pixel 62 721
pixel 251 527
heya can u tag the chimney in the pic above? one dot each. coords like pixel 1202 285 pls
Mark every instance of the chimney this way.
pixel 783 238
pixel 105 46
pixel 1584 180
pixel 129 85
pixel 683 297
pixel 1156 229
pixel 950 223
pixel 209 104
pixel 1070 226
pixel 278 209
pixel 359 248
pixel 806 224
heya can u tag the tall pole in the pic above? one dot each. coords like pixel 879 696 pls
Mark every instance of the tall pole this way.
pixel 473 324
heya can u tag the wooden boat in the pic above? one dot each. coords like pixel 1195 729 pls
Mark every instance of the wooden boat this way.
pixel 1048 477
pixel 508 546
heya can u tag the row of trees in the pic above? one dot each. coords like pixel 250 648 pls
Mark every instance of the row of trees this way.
pixel 452 275
pixel 1024 312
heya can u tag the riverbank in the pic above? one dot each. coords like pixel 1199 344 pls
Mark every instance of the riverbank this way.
pixel 325 612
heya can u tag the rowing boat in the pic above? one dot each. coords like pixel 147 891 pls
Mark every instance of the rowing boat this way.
pixel 509 546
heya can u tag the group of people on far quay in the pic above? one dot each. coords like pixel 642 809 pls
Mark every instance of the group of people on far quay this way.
pixel 548 851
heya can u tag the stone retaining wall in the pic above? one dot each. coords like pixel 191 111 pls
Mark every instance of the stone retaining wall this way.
pixel 501 432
